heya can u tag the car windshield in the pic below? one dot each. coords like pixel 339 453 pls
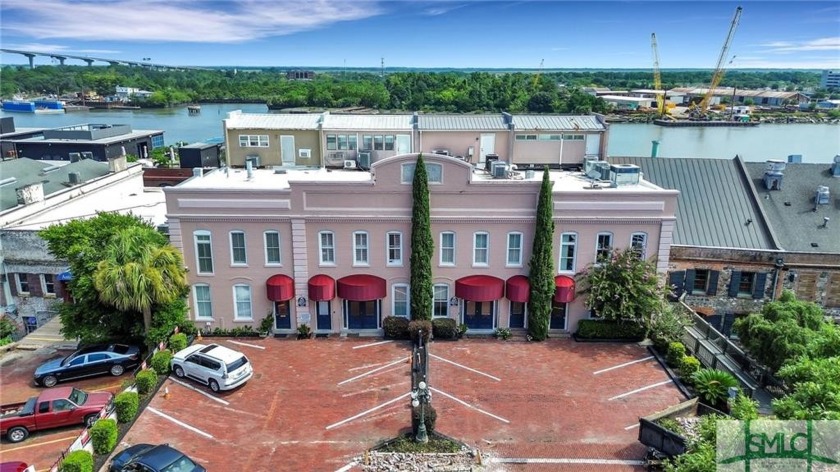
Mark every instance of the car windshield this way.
pixel 181 464
pixel 69 358
pixel 237 364
pixel 78 397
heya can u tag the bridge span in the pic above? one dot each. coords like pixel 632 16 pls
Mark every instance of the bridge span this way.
pixel 60 57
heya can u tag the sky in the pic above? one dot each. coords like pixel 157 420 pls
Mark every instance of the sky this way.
pixel 425 34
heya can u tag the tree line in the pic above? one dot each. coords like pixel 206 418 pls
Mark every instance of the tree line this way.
pixel 450 91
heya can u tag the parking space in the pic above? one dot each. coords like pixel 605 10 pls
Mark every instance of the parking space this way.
pixel 316 405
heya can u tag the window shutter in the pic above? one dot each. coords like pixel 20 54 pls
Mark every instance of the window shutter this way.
pixel 13 283
pixel 676 281
pixel 734 280
pixel 689 281
pixel 713 282
pixel 759 285
pixel 35 288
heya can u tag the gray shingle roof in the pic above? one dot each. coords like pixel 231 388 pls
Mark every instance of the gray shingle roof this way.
pixel 715 201
pixel 797 225
pixel 557 122
pixel 461 122
pixel 28 171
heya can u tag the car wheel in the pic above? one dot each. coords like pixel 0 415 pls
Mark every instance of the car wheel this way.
pixel 214 386
pixel 17 434
pixel 179 372
pixel 49 381
pixel 117 370
pixel 90 420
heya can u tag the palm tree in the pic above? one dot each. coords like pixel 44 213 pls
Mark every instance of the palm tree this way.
pixel 139 273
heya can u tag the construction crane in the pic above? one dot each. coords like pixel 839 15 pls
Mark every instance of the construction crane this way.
pixel 657 78
pixel 538 74
pixel 718 74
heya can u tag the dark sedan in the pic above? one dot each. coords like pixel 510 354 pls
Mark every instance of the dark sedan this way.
pixel 151 458
pixel 89 361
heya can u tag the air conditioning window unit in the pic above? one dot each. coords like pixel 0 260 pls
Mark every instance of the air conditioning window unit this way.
pixel 349 164
pixel 499 170
pixel 254 160
pixel 364 159
pixel 442 152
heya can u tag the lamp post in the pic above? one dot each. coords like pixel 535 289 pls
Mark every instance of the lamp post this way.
pixel 420 397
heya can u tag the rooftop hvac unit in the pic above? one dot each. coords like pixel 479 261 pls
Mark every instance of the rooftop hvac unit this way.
pixel 624 174
pixel 835 168
pixel 589 164
pixel 499 169
pixel 364 159
pixel 75 157
pixel 334 159
pixel 75 178
pixel 442 152
pixel 87 155
pixel 349 164
pixel 254 160
pixel 603 168
pixel 823 195
pixel 488 161
pixel 775 165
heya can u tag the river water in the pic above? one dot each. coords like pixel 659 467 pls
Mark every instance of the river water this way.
pixel 818 143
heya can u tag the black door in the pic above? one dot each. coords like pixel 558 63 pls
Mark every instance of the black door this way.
pixel 99 363
pixel 478 315
pixel 362 315
pixel 323 316
pixel 558 315
pixel 517 315
pixel 282 315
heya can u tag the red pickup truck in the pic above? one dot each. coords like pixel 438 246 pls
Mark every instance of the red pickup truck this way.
pixel 65 406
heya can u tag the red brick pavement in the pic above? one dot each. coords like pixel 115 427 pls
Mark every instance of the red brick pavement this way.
pixel 555 405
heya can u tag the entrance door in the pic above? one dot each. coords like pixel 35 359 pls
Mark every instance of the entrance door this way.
pixel 558 315
pixel 323 318
pixel 403 144
pixel 282 315
pixel 488 146
pixel 142 150
pixel 362 315
pixel 593 144
pixel 517 315
pixel 287 150
pixel 479 315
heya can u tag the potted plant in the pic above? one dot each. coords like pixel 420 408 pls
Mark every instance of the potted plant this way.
pixel 304 331
pixel 266 325
pixel 462 330
pixel 503 333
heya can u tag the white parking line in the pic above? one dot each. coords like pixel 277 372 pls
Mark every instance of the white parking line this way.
pixel 465 367
pixel 246 344
pixel 179 423
pixel 632 426
pixel 372 344
pixel 468 405
pixel 622 365
pixel 334 425
pixel 366 366
pixel 372 371
pixel 640 389
pixel 223 402
pixel 348 467
pixel 551 460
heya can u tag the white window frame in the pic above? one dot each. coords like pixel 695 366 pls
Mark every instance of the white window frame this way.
pixel 233 249
pixel 279 261
pixel 197 302
pixel 209 243
pixel 641 250
pixel 305 153
pixel 443 249
pixel 563 245
pixel 253 140
pixel 236 315
pixel 610 247
pixel 361 250
pixel 322 247
pixel 445 300
pixel 19 286
pixel 44 285
pixel 407 300
pixel 518 262
pixel 391 248
pixel 476 249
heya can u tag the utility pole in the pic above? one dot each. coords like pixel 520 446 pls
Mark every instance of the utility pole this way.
pixel 382 64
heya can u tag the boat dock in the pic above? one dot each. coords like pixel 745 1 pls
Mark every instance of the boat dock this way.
pixel 700 123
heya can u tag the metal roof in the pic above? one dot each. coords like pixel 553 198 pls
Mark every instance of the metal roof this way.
pixel 715 201
pixel 727 91
pixel 462 122
pixel 557 123
pixel 29 171
pixel 368 122
pixel 791 209
pixel 301 121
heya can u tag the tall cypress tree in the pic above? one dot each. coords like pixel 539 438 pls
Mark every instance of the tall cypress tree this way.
pixel 422 245
pixel 542 264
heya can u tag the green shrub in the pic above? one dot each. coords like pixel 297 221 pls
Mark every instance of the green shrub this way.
pixel 676 351
pixel 417 327
pixel 103 434
pixel 702 459
pixel 304 331
pixel 429 415
pixel 127 404
pixel 267 323
pixel 671 425
pixel 668 326
pixel 77 461
pixel 707 427
pixel 146 381
pixel 7 328
pixel 445 328
pixel 688 366
pixel 160 362
pixel 744 408
pixel 462 329
pixel 609 329
pixel 713 385
pixel 395 327
pixel 177 342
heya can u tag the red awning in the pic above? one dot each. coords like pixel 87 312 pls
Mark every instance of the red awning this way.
pixel 480 288
pixel 361 287
pixel 321 288
pixel 518 289
pixel 280 288
pixel 565 291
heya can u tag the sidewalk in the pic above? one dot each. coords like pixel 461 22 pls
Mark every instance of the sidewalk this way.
pixel 47 335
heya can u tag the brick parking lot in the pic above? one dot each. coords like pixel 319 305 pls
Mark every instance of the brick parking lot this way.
pixel 318 404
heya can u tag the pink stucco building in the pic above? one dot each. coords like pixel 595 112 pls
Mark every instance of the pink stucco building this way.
pixel 331 248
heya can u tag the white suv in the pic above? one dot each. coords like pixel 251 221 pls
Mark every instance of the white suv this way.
pixel 216 366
